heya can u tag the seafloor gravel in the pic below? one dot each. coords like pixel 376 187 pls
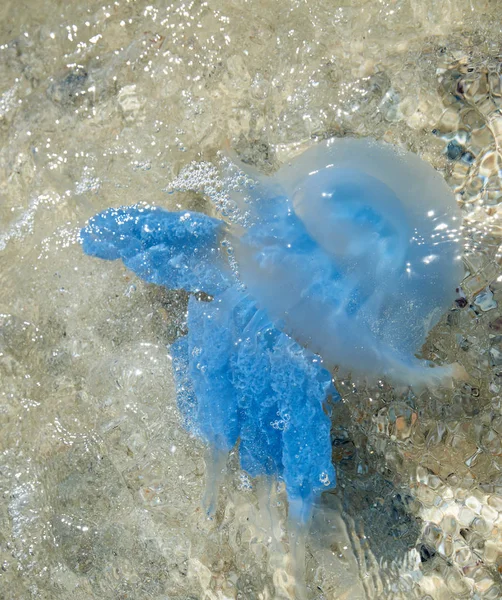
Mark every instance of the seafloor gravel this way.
pixel 109 104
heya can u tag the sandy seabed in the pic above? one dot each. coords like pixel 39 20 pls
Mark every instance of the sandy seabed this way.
pixel 110 104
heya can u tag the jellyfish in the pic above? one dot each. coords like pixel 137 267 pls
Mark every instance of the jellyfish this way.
pixel 346 257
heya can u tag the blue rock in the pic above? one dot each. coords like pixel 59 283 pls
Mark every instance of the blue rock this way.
pixel 454 150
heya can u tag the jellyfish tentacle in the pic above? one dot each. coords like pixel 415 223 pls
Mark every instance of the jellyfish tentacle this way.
pixel 179 250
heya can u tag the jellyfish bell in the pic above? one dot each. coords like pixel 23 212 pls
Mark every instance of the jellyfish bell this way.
pixel 359 256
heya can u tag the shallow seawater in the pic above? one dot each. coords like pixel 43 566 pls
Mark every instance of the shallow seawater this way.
pixel 109 104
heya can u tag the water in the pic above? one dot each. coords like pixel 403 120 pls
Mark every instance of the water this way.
pixel 103 105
